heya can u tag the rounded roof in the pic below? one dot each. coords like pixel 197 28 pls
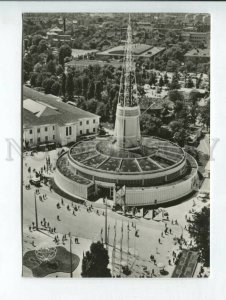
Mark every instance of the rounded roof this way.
pixel 152 156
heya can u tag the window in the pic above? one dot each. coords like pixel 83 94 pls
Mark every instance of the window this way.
pixel 70 130
pixel 94 129
pixel 66 131
pixel 80 123
pixel 30 131
pixel 39 139
pixel 46 128
pixel 87 122
pixel 80 131
pixel 87 130
pixel 94 121
pixel 53 127
pixel 46 138
pixel 38 130
pixel 31 141
pixel 53 137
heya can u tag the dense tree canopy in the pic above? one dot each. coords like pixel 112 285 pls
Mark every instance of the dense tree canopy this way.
pixel 65 51
pixel 95 262
pixel 200 231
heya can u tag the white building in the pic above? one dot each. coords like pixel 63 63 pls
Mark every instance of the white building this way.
pixel 46 120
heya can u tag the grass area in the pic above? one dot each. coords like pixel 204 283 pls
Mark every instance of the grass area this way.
pixel 60 263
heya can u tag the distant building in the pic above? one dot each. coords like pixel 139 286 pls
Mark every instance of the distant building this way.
pixel 198 55
pixel 75 53
pixel 56 34
pixel 139 50
pixel 48 120
pixel 197 38
pixel 82 64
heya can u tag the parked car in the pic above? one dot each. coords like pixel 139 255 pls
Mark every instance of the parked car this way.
pixel 35 182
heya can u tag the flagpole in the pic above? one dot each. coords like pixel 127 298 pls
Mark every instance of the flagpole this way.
pixel 121 249
pixel 71 255
pixel 128 244
pixel 113 250
pixel 106 229
pixel 36 212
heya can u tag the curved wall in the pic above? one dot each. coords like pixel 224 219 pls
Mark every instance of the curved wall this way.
pixel 69 186
pixel 160 194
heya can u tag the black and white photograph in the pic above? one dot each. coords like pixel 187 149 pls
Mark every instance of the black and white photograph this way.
pixel 116 145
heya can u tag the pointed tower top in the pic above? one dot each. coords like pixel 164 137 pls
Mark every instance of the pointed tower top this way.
pixel 127 93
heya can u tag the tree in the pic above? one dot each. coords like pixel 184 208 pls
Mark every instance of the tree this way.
pixel 42 46
pixel 47 85
pixel 174 85
pixel 59 70
pixel 205 114
pixel 33 49
pixel 174 96
pixel 33 79
pixel 172 66
pixel 63 84
pixel 152 79
pixel 69 86
pixel 81 103
pixel 38 68
pixel 194 96
pixel 189 84
pixel 95 262
pixel 101 111
pixel 199 229
pixel 55 89
pixel 39 79
pixel 161 82
pixel 150 125
pixel 91 90
pixel 166 80
pixel 91 105
pixel 36 39
pixel 65 51
pixel 181 136
pixel 51 67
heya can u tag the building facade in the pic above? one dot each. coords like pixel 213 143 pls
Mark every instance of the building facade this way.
pixel 48 120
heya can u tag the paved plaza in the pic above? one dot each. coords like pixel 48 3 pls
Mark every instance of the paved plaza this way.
pixel 88 226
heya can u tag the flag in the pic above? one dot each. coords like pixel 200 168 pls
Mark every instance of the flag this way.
pixel 120 195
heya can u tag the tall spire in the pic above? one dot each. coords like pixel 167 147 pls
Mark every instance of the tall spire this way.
pixel 126 96
pixel 127 124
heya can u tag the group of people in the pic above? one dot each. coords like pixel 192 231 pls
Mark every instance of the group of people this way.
pixel 42 197
pixel 75 208
pixel 64 239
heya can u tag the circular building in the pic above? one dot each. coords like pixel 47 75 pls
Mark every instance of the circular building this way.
pixel 132 170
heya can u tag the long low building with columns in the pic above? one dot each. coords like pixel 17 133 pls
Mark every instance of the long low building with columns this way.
pixel 47 120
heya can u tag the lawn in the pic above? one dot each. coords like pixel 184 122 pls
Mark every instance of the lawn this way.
pixel 60 263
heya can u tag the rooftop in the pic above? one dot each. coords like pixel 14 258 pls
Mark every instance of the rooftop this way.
pixel 154 155
pixel 86 62
pixel 56 29
pixel 198 53
pixel 40 109
pixel 81 52
pixel 138 50
pixel 119 50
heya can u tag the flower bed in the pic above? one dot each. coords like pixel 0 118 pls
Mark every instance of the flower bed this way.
pixel 147 165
